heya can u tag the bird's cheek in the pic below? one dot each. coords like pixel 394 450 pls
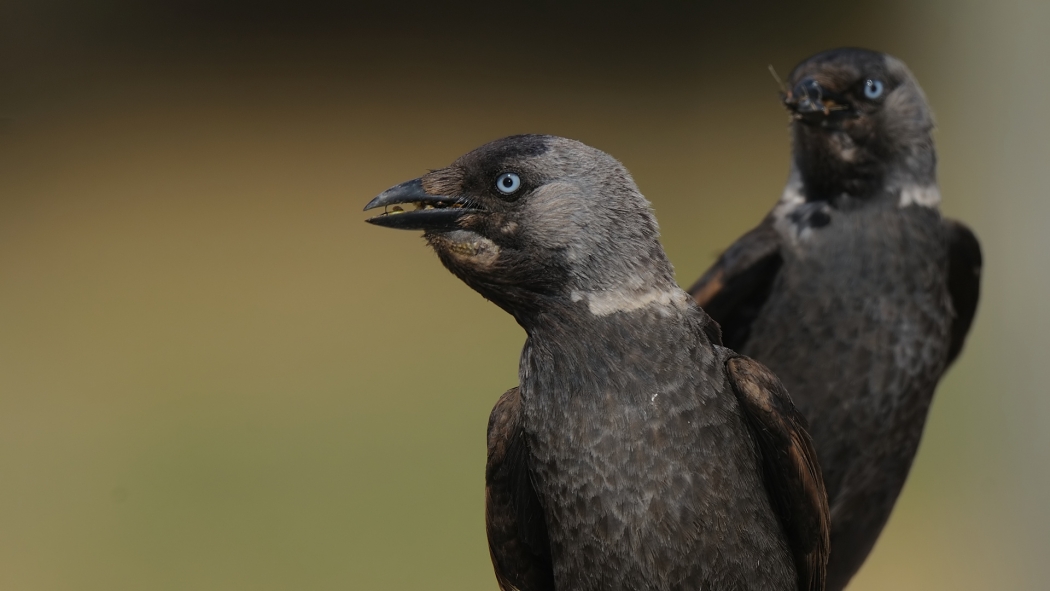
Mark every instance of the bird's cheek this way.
pixel 467 250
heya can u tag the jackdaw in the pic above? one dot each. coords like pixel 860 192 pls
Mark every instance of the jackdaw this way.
pixel 853 290
pixel 636 452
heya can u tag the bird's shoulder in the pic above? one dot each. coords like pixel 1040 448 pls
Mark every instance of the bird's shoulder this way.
pixel 790 468
pixel 514 521
pixel 733 290
pixel 964 280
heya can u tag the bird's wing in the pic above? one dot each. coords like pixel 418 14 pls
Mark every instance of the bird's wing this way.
pixel 964 281
pixel 517 531
pixel 734 289
pixel 790 468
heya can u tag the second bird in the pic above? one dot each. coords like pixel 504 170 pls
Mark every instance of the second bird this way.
pixel 854 289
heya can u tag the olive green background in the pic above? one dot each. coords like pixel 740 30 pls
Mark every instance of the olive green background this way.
pixel 214 375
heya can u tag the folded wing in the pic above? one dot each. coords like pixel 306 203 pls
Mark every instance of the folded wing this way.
pixel 736 287
pixel 964 281
pixel 790 468
pixel 514 520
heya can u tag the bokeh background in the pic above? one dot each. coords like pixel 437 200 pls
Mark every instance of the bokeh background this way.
pixel 214 375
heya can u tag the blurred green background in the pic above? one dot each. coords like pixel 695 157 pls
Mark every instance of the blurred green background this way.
pixel 214 375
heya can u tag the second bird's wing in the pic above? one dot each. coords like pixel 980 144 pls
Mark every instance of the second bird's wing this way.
pixel 964 281
pixel 790 468
pixel 514 521
pixel 734 289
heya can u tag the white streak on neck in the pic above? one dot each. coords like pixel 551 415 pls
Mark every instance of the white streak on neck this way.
pixel 792 194
pixel 603 303
pixel 925 196
pixel 791 198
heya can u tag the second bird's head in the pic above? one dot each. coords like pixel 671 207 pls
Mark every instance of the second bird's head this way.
pixel 859 119
pixel 532 221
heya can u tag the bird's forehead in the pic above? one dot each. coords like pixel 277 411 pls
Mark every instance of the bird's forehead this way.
pixel 838 68
pixel 543 158
pixel 516 148
pixel 510 153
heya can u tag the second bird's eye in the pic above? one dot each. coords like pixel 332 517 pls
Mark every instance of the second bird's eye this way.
pixel 507 183
pixel 873 88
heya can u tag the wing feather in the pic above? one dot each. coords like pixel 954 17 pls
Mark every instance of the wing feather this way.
pixel 736 287
pixel 964 282
pixel 790 467
pixel 517 532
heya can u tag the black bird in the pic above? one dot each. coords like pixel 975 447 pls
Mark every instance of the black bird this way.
pixel 853 290
pixel 636 453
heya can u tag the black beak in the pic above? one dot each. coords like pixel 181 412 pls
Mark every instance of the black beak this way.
pixel 811 101
pixel 432 212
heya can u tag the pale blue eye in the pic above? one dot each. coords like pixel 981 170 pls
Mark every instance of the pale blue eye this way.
pixel 873 89
pixel 507 183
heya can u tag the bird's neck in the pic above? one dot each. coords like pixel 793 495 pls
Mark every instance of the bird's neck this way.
pixel 827 166
pixel 584 349
pixel 604 306
pixel 864 183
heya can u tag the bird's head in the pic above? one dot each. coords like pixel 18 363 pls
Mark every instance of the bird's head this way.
pixel 530 220
pixel 860 121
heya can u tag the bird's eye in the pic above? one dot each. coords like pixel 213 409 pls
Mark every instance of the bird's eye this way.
pixel 508 183
pixel 873 89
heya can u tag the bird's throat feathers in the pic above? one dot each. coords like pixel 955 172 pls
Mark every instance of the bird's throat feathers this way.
pixel 653 339
pixel 807 203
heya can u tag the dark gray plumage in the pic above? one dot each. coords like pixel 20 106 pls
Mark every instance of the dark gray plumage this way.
pixel 636 453
pixel 853 290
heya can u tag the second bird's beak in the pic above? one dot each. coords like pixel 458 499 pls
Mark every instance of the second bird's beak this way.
pixel 811 101
pixel 431 212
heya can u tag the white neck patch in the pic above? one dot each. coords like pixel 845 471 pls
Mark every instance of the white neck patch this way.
pixel 925 196
pixel 791 197
pixel 603 303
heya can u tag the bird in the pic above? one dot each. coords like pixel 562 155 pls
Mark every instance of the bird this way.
pixel 636 453
pixel 853 290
